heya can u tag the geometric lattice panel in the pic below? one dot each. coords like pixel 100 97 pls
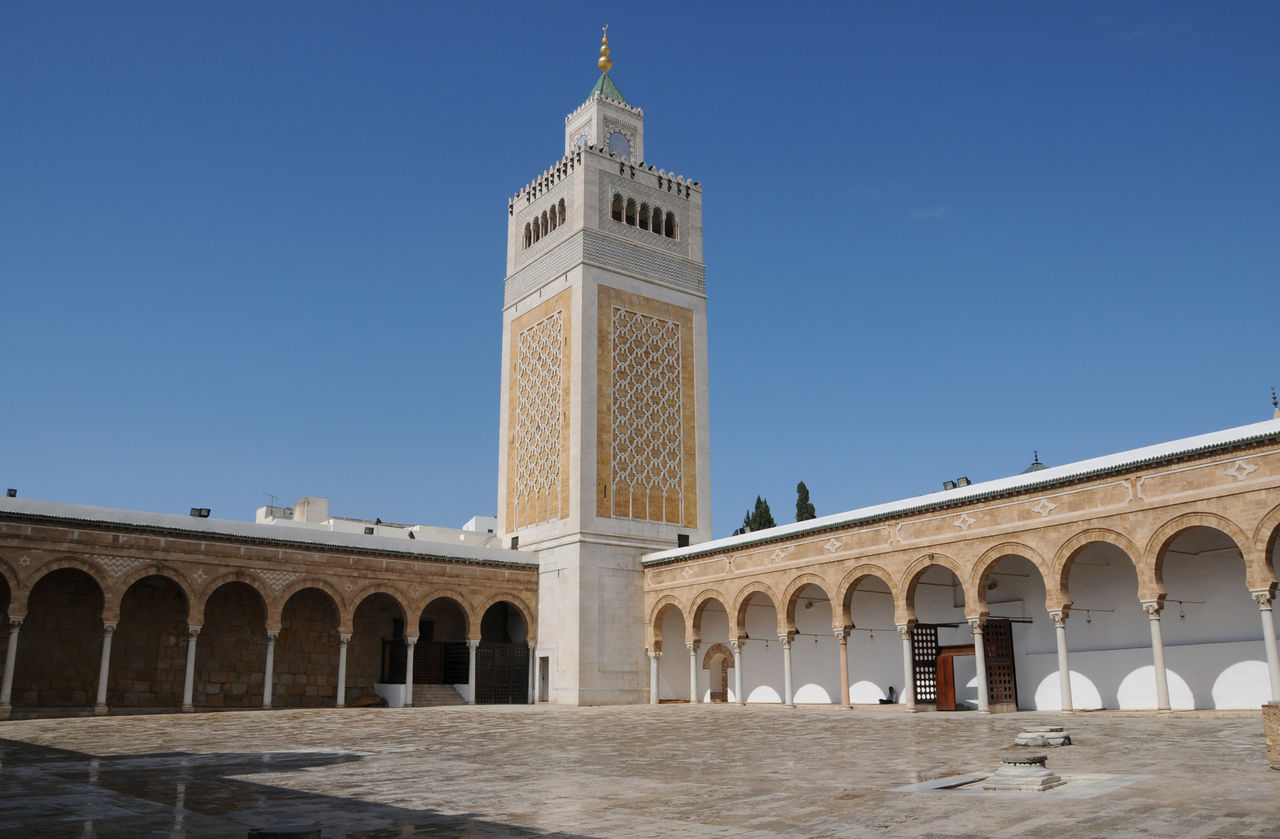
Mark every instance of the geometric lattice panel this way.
pixel 539 420
pixel 647 417
pixel 1002 681
pixel 924 655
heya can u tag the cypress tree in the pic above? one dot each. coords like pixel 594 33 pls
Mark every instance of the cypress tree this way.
pixel 804 509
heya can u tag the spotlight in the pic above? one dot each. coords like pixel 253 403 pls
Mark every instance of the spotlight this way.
pixel 12 493
pixel 200 512
pixel 948 484
pixel 411 536
pixel 964 482
pixel 368 531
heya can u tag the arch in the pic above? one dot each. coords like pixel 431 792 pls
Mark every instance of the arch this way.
pixel 615 209
pixel 717 649
pixel 1151 570
pixel 10 578
pixel 656 225
pixel 528 235
pixel 1259 570
pixel 537 230
pixel 152 569
pixel 848 585
pixel 39 573
pixel 981 573
pixel 697 606
pixel 672 228
pixel 630 217
pixel 196 614
pixel 1056 585
pixel 653 628
pixel 473 626
pixel 791 596
pixel 643 218
pixel 738 615
pixel 417 607
pixel 560 210
pixel 346 618
pixel 905 608
pixel 553 218
pixel 276 607
pixel 545 231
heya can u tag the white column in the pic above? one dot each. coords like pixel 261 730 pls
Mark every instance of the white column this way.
pixel 653 677
pixel 1064 671
pixel 786 671
pixel 272 634
pixel 693 672
pixel 908 695
pixel 980 658
pixel 471 671
pixel 736 646
pixel 842 644
pixel 188 685
pixel 104 669
pixel 10 658
pixel 533 672
pixel 343 641
pixel 1152 608
pixel 409 644
pixel 1263 599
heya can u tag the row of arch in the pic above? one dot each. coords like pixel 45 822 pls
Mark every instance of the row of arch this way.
pixel 197 595
pixel 644 217
pixel 550 219
pixel 1256 549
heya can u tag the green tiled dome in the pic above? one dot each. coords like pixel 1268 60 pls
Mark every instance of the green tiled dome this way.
pixel 606 88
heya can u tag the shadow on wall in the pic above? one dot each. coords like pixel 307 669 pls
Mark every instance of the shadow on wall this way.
pixel 176 793
pixel 1234 685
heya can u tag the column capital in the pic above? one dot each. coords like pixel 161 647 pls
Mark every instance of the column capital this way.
pixel 273 634
pixel 904 629
pixel 976 624
pixel 15 623
pixel 737 644
pixel 1059 617
pixel 473 643
pixel 654 656
pixel 344 639
pixel 842 635
pixel 1152 608
pixel 193 632
pixel 785 640
pixel 1262 597
pixel 692 647
pixel 109 627
pixel 411 641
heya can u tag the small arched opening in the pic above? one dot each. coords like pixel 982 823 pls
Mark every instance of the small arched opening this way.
pixel 60 644
pixel 502 659
pixel 231 651
pixel 631 212
pixel 615 209
pixel 672 230
pixel 306 657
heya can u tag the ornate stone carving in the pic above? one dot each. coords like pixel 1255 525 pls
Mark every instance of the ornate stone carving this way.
pixel 964 522
pixel 275 578
pixel 833 545
pixel 539 420
pixel 1241 470
pixel 117 566
pixel 1044 508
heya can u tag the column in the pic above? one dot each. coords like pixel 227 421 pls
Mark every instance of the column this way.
pixel 409 644
pixel 693 672
pixel 533 673
pixel 653 677
pixel 980 658
pixel 908 668
pixel 736 646
pixel 343 641
pixel 1064 671
pixel 842 643
pixel 1152 608
pixel 272 634
pixel 10 657
pixel 471 671
pixel 104 669
pixel 1262 597
pixel 786 671
pixel 188 686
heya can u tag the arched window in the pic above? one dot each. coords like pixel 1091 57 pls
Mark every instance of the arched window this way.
pixel 656 227
pixel 528 236
pixel 631 212
pixel 560 210
pixel 552 218
pixel 673 232
pixel 644 216
pixel 544 223
pixel 616 212
pixel 618 145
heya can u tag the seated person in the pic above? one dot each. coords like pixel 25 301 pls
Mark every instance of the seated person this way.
pixel 893 697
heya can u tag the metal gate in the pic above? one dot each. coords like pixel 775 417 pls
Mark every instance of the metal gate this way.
pixel 1002 682
pixel 924 661
pixel 502 674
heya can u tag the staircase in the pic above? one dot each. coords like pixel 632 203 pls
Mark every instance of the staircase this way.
pixel 428 695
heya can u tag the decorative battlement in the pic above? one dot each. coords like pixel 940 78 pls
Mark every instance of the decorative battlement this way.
pixel 659 179
pixel 600 97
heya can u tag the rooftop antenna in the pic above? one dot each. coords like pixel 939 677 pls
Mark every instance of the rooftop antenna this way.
pixel 274 498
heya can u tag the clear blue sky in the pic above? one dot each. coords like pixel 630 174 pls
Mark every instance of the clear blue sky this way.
pixel 259 247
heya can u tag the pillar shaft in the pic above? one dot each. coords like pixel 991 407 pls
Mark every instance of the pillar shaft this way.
pixel 1268 640
pixel 533 674
pixel 693 672
pixel 1152 609
pixel 736 646
pixel 10 658
pixel 786 671
pixel 188 684
pixel 343 641
pixel 980 659
pixel 269 676
pixel 653 677
pixel 104 668
pixel 1064 670
pixel 409 644
pixel 908 669
pixel 842 643
pixel 471 671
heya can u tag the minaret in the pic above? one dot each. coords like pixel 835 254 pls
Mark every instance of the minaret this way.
pixel 603 446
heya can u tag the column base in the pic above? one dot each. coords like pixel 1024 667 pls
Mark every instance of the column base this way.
pixel 790 705
pixel 188 709
pixel 99 710
pixel 1164 712
pixel 5 710
pixel 983 711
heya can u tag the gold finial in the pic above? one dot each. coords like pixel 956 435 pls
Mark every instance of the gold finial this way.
pixel 604 63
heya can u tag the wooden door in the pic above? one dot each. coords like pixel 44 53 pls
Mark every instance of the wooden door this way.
pixel 946 683
pixel 1002 681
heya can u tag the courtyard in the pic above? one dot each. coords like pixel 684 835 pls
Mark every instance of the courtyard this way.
pixel 636 771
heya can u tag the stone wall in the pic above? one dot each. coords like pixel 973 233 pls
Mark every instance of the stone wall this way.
pixel 373 622
pixel 149 648
pixel 306 663
pixel 1271 721
pixel 231 652
pixel 60 643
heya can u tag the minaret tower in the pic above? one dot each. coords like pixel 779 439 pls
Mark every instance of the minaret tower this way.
pixel 603 447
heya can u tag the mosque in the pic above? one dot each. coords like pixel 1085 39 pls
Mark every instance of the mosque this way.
pixel 1138 580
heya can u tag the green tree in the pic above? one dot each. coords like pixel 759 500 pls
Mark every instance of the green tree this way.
pixel 804 509
pixel 760 518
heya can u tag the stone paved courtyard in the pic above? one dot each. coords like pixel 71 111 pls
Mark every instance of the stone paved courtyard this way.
pixel 673 770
